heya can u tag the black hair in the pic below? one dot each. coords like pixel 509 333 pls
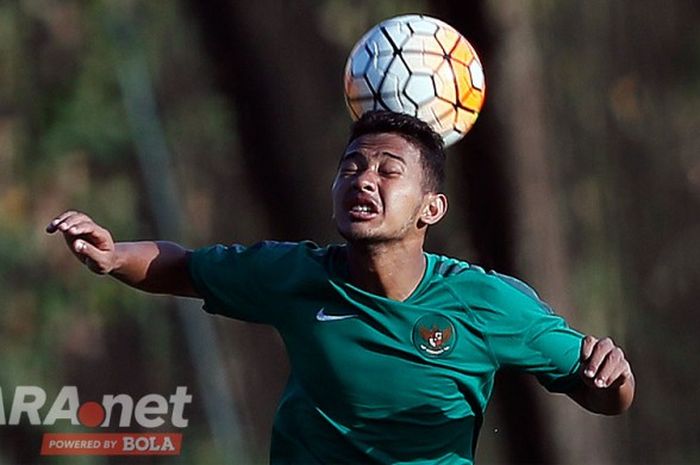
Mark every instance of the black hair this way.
pixel 415 131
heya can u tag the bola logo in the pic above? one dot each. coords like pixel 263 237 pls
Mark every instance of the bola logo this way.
pixel 434 335
pixel 29 404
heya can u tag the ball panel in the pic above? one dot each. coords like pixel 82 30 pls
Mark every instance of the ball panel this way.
pixel 422 62
pixel 399 103
pixel 462 79
pixel 448 39
pixel 445 87
pixel 465 120
pixel 355 109
pixel 470 97
pixel 360 61
pixel 396 74
pixel 471 100
pixel 359 105
pixel 422 25
pixel 378 70
pixel 402 19
pixel 462 53
pixel 392 93
pixel 451 137
pixel 420 88
pixel 476 72
pixel 439 114
pixel 379 45
pixel 396 33
pixel 358 87
pixel 422 44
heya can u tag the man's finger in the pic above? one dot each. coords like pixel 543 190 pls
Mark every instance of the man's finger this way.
pixel 82 228
pixel 614 366
pixel 90 255
pixel 66 220
pixel 595 360
pixel 53 225
pixel 72 220
pixel 589 343
pixel 80 247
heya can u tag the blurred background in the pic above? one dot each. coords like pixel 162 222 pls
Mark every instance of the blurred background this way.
pixel 209 121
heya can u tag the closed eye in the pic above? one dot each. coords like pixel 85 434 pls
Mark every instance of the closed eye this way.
pixel 391 168
pixel 351 164
pixel 391 173
pixel 347 168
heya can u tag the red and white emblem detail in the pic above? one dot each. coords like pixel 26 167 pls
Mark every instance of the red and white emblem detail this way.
pixel 434 335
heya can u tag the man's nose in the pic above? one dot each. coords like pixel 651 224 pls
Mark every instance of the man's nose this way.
pixel 366 181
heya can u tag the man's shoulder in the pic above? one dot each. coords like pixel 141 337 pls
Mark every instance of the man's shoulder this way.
pixel 262 254
pixel 481 286
pixel 456 270
pixel 283 247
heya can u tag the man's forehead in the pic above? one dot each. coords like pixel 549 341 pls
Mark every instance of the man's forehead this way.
pixel 377 144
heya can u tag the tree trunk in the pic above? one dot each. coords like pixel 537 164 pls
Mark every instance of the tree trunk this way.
pixel 541 252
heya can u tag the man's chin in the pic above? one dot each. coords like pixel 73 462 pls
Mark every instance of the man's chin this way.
pixel 361 235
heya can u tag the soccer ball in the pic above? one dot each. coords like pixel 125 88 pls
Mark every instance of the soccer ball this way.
pixel 418 65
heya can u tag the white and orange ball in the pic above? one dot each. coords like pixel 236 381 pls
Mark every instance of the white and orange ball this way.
pixel 421 66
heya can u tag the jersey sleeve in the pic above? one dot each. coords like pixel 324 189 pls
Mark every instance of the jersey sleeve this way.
pixel 243 282
pixel 524 333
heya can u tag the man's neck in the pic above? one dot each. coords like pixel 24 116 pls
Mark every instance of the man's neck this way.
pixel 393 270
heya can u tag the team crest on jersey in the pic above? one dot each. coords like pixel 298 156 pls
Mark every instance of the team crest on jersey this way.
pixel 434 335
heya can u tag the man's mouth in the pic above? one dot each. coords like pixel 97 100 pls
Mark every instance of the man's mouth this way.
pixel 363 210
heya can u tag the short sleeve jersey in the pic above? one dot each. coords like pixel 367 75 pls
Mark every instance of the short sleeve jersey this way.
pixel 374 380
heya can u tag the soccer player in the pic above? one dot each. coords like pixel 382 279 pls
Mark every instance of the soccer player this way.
pixel 393 350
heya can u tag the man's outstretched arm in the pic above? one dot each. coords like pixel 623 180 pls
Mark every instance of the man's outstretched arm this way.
pixel 159 267
pixel 608 383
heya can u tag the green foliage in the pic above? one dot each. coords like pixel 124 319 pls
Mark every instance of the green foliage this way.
pixel 89 115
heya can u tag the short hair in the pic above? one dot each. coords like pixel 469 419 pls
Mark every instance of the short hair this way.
pixel 415 131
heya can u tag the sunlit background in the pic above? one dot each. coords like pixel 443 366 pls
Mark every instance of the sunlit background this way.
pixel 208 121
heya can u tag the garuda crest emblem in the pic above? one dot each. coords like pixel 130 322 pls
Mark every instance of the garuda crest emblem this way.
pixel 434 335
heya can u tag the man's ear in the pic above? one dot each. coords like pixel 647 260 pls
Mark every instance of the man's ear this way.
pixel 434 208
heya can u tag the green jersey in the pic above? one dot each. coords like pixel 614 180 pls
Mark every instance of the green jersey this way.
pixel 374 380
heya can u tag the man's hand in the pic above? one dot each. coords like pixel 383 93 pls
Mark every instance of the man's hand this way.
pixel 159 267
pixel 608 380
pixel 90 243
pixel 603 364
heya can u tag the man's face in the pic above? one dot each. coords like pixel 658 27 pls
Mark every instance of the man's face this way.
pixel 378 192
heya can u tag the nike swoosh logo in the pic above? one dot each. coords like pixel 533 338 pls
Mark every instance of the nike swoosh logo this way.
pixel 321 315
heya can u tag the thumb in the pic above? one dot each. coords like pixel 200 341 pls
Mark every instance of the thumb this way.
pixel 94 258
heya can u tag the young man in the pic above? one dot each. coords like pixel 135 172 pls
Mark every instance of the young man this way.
pixel 393 350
